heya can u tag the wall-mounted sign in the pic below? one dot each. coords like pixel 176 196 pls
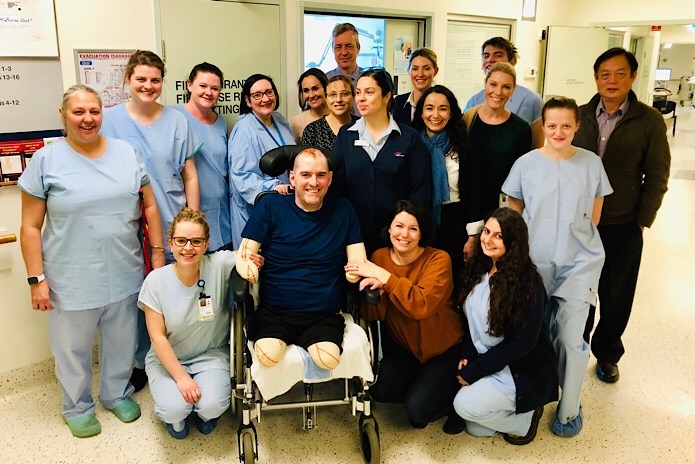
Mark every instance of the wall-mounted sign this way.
pixel 28 29
pixel 103 70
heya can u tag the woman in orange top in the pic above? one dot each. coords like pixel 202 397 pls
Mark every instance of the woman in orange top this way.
pixel 423 330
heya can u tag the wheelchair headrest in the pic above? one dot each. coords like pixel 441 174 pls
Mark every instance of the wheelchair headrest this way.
pixel 280 160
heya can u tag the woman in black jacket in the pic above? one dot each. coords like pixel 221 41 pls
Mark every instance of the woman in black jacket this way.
pixel 508 366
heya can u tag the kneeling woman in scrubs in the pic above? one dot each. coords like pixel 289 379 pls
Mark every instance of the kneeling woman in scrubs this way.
pixel 86 268
pixel 188 323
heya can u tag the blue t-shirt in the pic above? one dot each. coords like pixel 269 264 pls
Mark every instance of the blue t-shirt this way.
pixel 304 252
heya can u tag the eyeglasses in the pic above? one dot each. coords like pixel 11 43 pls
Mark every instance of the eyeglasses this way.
pixel 342 94
pixel 270 93
pixel 183 241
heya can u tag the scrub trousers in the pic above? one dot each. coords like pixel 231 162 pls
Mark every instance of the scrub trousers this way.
pixel 171 408
pixel 487 411
pixel 566 320
pixel 72 339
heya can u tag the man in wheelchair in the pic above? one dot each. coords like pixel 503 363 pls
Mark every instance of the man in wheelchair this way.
pixel 306 240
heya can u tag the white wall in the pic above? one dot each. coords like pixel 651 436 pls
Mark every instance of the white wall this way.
pixel 105 24
pixel 131 24
pixel 81 24
pixel 680 34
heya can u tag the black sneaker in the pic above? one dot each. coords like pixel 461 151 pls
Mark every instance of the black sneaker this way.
pixel 138 378
pixel 454 424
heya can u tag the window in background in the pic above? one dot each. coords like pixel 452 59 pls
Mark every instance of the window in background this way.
pixel 318 43
pixel 463 73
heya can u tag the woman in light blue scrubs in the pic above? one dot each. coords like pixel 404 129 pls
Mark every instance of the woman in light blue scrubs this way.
pixel 259 129
pixel 86 267
pixel 204 86
pixel 162 136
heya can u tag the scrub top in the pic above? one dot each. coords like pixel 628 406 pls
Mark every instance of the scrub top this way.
pixel 91 253
pixel 164 145
pixel 199 345
pixel 211 164
pixel 251 139
pixel 477 307
pixel 558 201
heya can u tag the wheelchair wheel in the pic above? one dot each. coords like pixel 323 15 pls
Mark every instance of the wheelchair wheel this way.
pixel 369 442
pixel 247 450
pixel 238 356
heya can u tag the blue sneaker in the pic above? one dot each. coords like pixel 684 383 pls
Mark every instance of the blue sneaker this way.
pixel 570 429
pixel 205 427
pixel 181 434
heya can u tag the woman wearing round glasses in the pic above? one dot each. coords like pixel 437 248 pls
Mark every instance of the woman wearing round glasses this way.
pixel 383 161
pixel 340 94
pixel 258 129
pixel 188 322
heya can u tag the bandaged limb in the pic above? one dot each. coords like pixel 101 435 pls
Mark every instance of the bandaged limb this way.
pixel 269 351
pixel 355 251
pixel 326 355
pixel 244 266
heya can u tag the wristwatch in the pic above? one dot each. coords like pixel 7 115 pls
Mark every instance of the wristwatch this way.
pixel 33 280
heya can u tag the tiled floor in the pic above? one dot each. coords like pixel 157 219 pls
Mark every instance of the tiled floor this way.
pixel 647 417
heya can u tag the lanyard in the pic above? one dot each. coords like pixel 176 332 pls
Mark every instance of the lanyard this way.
pixel 201 286
pixel 282 139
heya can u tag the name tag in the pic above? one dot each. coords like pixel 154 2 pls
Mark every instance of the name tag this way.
pixel 206 311
pixel 361 143
pixel 504 200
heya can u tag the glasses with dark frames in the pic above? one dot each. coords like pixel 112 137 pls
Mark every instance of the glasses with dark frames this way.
pixel 183 241
pixel 270 93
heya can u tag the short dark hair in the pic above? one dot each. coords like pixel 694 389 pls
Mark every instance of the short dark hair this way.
pixel 504 44
pixel 385 82
pixel 205 67
pixel 318 74
pixel 244 107
pixel 561 102
pixel 613 52
pixel 415 210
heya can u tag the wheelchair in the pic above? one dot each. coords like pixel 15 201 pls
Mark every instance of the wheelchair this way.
pixel 360 343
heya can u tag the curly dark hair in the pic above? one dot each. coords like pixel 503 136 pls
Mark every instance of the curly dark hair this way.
pixel 515 285
pixel 455 128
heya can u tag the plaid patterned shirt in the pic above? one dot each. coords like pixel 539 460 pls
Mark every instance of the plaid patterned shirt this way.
pixel 607 123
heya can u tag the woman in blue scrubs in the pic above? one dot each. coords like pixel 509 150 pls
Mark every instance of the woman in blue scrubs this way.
pixel 204 86
pixel 86 267
pixel 163 138
pixel 259 129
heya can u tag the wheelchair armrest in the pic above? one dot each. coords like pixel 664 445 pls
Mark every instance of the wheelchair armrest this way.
pixel 239 287
pixel 371 296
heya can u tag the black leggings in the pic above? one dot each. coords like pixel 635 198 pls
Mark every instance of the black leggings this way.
pixel 427 390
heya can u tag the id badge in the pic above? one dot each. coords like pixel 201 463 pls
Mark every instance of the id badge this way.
pixel 206 311
pixel 504 200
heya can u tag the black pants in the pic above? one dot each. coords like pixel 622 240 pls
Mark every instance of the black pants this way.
pixel 427 390
pixel 451 236
pixel 616 289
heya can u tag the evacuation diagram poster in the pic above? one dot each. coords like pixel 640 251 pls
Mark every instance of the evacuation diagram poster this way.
pixel 104 71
